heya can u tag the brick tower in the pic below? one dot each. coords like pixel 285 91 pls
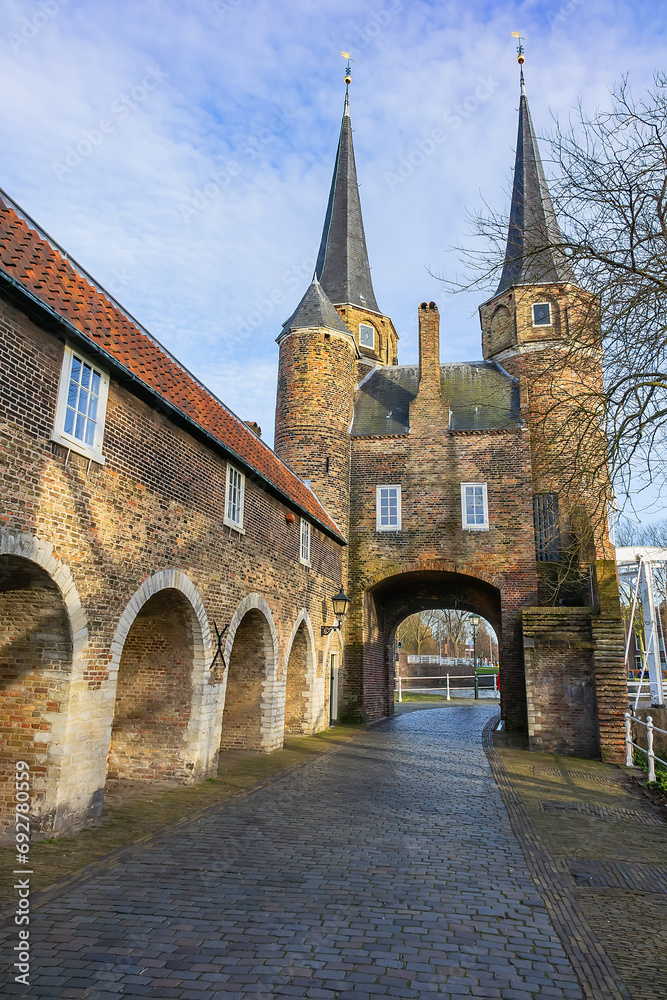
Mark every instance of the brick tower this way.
pixel 544 329
pixel 335 337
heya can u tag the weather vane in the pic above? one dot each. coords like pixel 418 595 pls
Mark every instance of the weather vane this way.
pixel 348 68
pixel 520 54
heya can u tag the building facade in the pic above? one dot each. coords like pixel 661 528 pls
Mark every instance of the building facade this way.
pixel 165 575
pixel 453 482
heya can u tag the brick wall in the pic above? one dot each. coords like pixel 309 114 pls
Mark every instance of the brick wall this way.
pixel 35 660
pixel 153 691
pixel 560 681
pixel 105 533
pixel 296 688
pixel 432 560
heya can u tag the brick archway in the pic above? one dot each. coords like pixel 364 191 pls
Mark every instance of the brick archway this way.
pixel 167 602
pixel 394 598
pixel 253 712
pixel 43 653
pixel 299 674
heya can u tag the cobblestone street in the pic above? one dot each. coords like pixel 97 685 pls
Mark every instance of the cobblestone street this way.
pixel 388 867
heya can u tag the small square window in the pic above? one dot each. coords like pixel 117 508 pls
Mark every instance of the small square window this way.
pixel 304 551
pixel 388 508
pixel 542 314
pixel 81 407
pixel 367 335
pixel 234 498
pixel 474 507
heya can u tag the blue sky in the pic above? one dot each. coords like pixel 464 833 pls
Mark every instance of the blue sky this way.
pixel 208 130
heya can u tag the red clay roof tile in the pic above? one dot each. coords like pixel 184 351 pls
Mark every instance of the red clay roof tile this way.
pixel 53 279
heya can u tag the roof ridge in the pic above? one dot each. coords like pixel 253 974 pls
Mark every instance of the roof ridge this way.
pixel 24 246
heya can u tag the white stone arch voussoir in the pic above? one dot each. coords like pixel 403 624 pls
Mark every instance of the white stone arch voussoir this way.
pixel 272 721
pixel 303 618
pixel 24 545
pixel 200 746
pixel 59 802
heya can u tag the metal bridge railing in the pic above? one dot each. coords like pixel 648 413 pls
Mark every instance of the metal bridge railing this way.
pixel 446 677
pixel 649 751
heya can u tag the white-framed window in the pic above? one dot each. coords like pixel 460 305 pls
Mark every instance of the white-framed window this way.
pixel 474 507
pixel 234 498
pixel 81 407
pixel 388 508
pixel 541 314
pixel 367 335
pixel 304 550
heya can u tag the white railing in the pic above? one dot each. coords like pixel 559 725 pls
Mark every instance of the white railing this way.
pixel 457 677
pixel 650 752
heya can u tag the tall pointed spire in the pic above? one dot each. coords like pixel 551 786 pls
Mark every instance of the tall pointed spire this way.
pixel 533 255
pixel 342 262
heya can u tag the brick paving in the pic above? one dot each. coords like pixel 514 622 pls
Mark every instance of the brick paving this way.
pixel 387 868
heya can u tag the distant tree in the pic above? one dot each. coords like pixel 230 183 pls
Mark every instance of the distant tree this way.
pixel 629 533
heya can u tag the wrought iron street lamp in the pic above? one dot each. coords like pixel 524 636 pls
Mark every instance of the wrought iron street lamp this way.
pixel 340 602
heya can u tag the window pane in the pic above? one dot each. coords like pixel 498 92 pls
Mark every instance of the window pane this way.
pixel 72 394
pixel 541 314
pixel 69 420
pixel 76 369
pixel 96 383
pixel 90 432
pixel 92 408
pixel 83 402
pixel 85 376
pixel 79 427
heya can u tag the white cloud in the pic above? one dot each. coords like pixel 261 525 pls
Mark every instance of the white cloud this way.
pixel 252 96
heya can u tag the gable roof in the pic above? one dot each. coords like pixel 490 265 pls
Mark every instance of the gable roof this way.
pixel 480 394
pixel 37 272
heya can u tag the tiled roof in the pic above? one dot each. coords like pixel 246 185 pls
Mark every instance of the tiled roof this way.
pixel 37 264
pixel 315 310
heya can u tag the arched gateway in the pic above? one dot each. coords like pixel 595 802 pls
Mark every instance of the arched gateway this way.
pixel 396 597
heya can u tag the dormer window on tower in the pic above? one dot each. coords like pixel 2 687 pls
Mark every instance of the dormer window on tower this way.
pixel 367 336
pixel 542 314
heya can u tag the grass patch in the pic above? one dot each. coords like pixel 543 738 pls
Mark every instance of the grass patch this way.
pixel 419 696
pixel 641 760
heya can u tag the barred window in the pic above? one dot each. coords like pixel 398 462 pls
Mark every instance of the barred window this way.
pixel 304 555
pixel 547 529
pixel 234 498
pixel 388 508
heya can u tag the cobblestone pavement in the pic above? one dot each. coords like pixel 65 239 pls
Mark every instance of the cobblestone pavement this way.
pixel 387 868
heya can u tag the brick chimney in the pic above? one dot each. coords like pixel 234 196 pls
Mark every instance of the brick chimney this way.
pixel 429 349
pixel 429 412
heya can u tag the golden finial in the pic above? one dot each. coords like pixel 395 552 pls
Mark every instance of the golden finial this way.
pixel 348 68
pixel 520 56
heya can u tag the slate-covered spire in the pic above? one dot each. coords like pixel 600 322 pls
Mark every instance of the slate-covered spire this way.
pixel 533 224
pixel 342 263
pixel 315 311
